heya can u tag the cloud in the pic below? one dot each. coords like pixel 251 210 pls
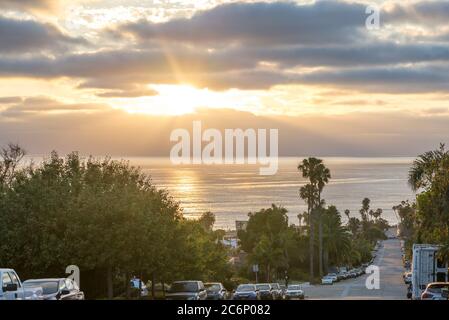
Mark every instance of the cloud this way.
pixel 419 12
pixel 403 79
pixel 23 107
pixel 260 23
pixel 29 5
pixel 239 45
pixel 10 100
pixel 133 93
pixel 28 36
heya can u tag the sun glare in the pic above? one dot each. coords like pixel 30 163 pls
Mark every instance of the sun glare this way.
pixel 183 99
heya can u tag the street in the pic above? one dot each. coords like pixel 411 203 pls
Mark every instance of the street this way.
pixel 392 286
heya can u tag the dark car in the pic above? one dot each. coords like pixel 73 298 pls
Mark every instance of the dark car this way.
pixel 215 291
pixel 56 289
pixel 246 292
pixel 186 290
pixel 265 291
pixel 277 291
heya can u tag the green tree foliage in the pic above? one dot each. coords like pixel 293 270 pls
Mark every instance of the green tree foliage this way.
pixel 270 241
pixel 427 221
pixel 104 216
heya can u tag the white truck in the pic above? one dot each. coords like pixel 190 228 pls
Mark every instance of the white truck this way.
pixel 11 287
pixel 426 268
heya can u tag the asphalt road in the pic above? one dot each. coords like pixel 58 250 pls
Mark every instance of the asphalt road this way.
pixel 392 287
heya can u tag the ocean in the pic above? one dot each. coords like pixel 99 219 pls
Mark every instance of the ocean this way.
pixel 232 191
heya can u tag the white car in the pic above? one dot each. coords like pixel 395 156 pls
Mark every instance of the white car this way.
pixel 435 290
pixel 334 277
pixel 294 291
pixel 327 280
pixel 11 288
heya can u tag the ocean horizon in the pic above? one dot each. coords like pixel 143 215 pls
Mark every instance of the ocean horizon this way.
pixel 232 191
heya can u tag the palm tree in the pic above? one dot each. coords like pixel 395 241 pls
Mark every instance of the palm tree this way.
pixel 323 176
pixel 354 225
pixel 347 213
pixel 309 194
pixel 364 211
pixel 338 240
pixel 318 175
pixel 426 166
pixel 377 213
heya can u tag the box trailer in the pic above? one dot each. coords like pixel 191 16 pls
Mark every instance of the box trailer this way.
pixel 426 268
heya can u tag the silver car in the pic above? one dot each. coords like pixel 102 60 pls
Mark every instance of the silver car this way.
pixel 294 291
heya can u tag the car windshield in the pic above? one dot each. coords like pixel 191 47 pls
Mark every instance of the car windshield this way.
pixel 263 286
pixel 246 288
pixel 48 287
pixel 213 287
pixel 294 287
pixel 437 288
pixel 275 286
pixel 184 287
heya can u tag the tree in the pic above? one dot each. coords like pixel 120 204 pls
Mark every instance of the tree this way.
pixel 318 175
pixel 266 239
pixel 105 217
pixel 207 220
pixel 309 194
pixel 347 213
pixel 428 220
pixel 426 167
pixel 337 241
pixel 377 214
pixel 354 225
pixel 364 211
pixel 10 157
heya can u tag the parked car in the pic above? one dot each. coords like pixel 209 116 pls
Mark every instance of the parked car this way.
pixel 294 291
pixel 358 272
pixel 352 273
pixel 56 288
pixel 409 291
pixel 407 277
pixel 277 291
pixel 333 276
pixel 434 291
pixel 186 290
pixel 137 284
pixel 11 288
pixel 284 289
pixel 246 292
pixel 342 275
pixel 265 291
pixel 215 291
pixel 327 280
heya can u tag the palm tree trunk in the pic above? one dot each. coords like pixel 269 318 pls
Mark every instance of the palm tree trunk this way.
pixel 320 236
pixel 320 245
pixel 311 246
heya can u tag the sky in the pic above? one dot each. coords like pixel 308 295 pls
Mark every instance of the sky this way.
pixel 115 76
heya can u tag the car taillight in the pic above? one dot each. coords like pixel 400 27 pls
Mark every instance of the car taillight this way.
pixel 426 295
